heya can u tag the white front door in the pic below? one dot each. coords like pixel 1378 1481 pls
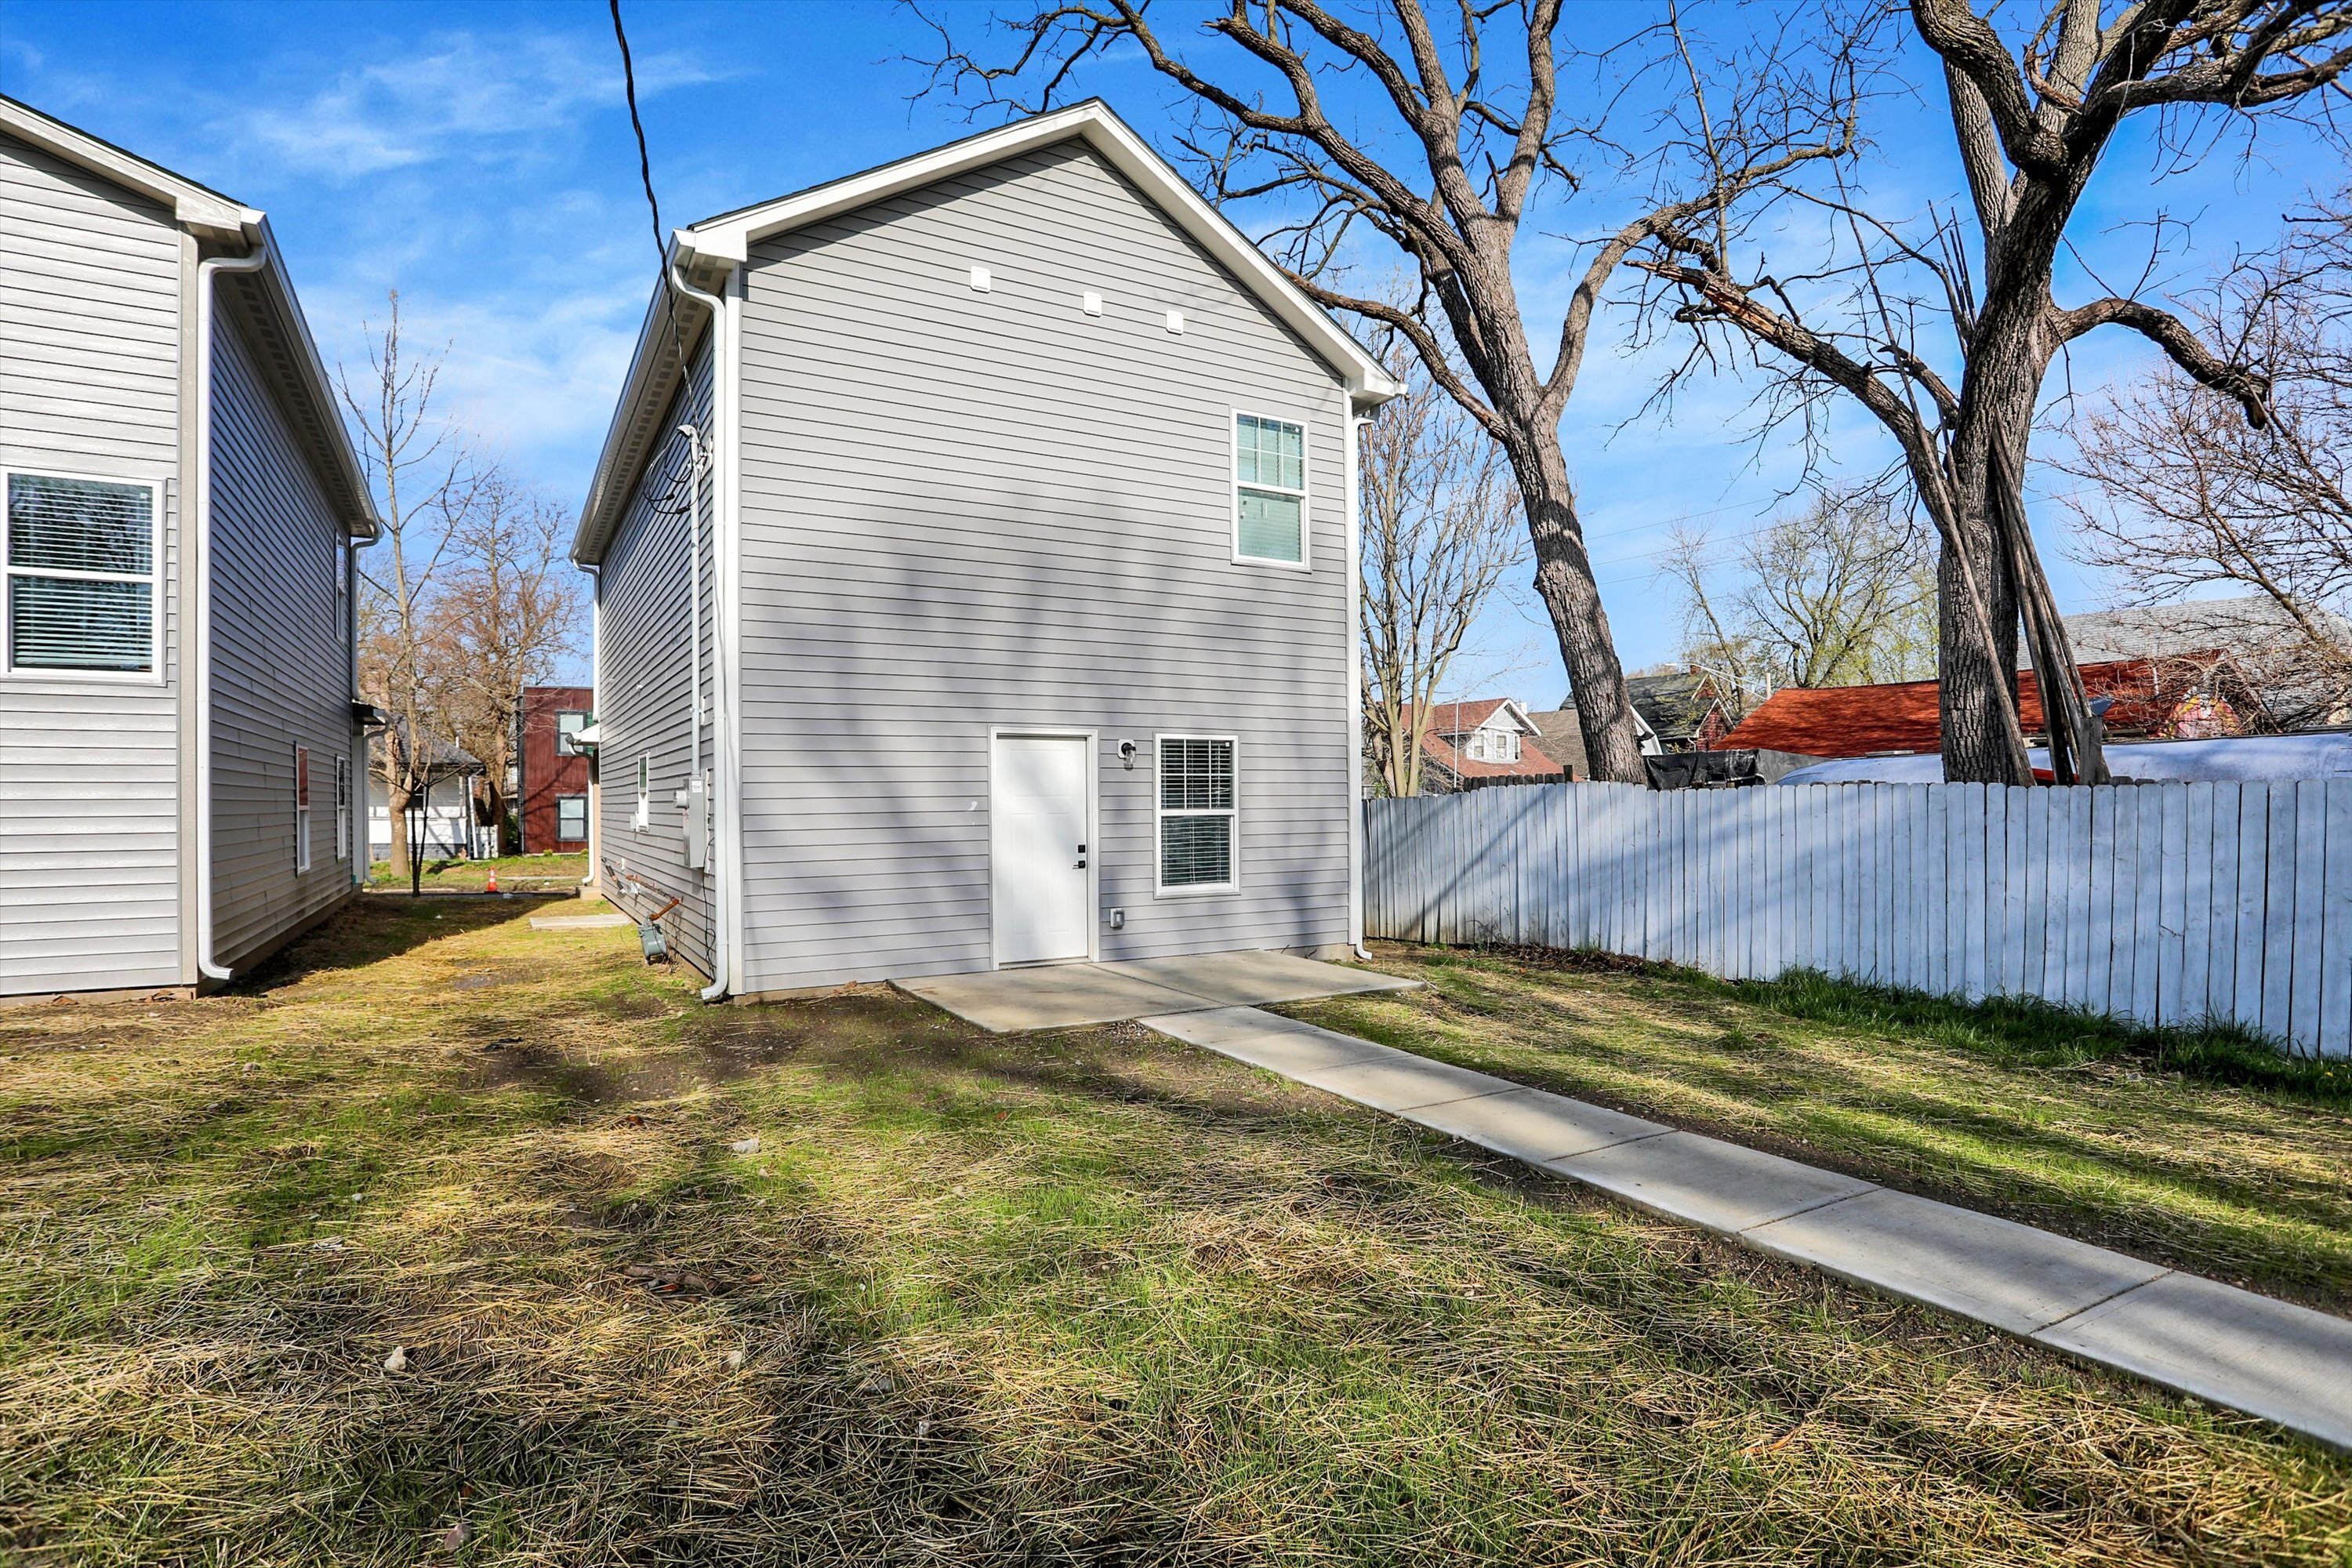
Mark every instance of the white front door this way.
pixel 1037 847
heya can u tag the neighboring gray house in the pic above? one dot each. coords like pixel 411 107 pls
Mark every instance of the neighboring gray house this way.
pixel 177 731
pixel 999 607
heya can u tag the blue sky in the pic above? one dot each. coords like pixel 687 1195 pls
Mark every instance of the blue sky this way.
pixel 478 159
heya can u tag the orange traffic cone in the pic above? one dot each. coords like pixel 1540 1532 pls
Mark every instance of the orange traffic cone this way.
pixel 493 885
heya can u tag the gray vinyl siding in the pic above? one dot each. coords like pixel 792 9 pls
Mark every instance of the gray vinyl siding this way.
pixel 280 672
pixel 90 821
pixel 645 705
pixel 966 509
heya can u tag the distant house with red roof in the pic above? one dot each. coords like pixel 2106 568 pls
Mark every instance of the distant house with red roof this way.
pixel 2186 698
pixel 1493 739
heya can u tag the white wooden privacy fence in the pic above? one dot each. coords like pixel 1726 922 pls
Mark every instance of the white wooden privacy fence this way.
pixel 2167 903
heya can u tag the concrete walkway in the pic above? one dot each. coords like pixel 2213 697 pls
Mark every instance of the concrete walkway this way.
pixel 1072 996
pixel 2286 1364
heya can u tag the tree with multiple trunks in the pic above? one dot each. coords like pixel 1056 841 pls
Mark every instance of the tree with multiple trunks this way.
pixel 2031 116
pixel 1441 136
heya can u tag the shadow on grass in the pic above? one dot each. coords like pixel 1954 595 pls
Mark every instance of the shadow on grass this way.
pixel 2025 1030
pixel 371 928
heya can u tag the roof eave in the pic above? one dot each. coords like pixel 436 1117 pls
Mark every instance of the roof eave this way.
pixel 211 218
pixel 206 212
pixel 649 371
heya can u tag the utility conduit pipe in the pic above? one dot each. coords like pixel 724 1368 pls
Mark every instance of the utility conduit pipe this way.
pixel 199 543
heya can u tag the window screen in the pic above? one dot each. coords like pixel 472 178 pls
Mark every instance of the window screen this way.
pixel 570 818
pixel 81 573
pixel 1270 481
pixel 1196 812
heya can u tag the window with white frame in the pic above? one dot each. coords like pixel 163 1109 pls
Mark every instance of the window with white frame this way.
pixel 645 812
pixel 1196 812
pixel 301 808
pixel 568 725
pixel 342 807
pixel 570 818
pixel 81 560
pixel 1269 490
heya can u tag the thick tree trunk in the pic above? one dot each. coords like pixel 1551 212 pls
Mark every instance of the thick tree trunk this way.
pixel 2009 354
pixel 1564 581
pixel 397 799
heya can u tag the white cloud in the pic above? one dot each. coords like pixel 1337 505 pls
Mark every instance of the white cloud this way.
pixel 461 96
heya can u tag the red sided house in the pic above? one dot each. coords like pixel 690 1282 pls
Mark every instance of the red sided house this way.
pixel 2188 697
pixel 555 784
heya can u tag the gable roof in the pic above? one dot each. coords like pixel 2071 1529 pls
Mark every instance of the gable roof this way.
pixel 717 243
pixel 1461 718
pixel 265 300
pixel 1904 717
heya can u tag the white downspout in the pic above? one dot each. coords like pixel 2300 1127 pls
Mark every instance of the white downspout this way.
pixel 721 399
pixel 595 685
pixel 1355 423
pixel 200 555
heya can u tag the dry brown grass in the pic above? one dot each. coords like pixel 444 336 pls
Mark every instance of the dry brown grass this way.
pixel 1093 1298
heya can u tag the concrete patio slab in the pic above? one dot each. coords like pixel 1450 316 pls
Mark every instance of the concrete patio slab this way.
pixel 1256 978
pixel 2272 1359
pixel 1268 1040
pixel 1994 1270
pixel 1056 996
pixel 1720 1185
pixel 1532 1125
pixel 1402 1084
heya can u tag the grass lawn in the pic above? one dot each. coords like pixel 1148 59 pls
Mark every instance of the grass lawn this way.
pixel 1093 1296
pixel 2201 1152
pixel 552 872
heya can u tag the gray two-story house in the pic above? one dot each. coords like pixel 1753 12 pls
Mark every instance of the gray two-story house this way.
pixel 975 553
pixel 178 740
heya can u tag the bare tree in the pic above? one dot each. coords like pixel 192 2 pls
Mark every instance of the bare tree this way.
pixel 1840 593
pixel 2189 495
pixel 1440 529
pixel 506 609
pixel 1455 133
pixel 2031 117
pixel 419 474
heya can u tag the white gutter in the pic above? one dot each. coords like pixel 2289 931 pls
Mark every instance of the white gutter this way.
pixel 1355 426
pixel 718 866
pixel 200 551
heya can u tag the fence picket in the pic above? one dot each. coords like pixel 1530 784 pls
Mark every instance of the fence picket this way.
pixel 2310 904
pixel 2197 903
pixel 2254 892
pixel 2336 923
pixel 2278 915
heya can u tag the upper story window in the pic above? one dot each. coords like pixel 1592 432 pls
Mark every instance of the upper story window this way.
pixel 568 725
pixel 1269 490
pixel 80 557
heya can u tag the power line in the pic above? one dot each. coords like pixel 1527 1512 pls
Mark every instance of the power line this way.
pixel 652 206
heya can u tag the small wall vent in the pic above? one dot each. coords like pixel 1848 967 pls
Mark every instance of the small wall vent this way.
pixel 1176 322
pixel 1090 302
pixel 980 282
